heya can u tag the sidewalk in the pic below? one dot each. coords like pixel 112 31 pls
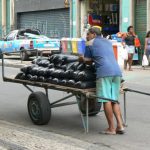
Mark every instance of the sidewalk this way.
pixel 14 63
pixel 18 137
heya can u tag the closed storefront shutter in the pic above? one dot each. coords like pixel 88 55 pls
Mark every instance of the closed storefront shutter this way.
pixel 141 19
pixel 53 23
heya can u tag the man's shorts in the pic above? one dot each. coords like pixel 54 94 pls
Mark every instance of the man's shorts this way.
pixel 108 87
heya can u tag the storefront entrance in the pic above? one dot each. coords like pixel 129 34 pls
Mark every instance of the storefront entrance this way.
pixel 104 13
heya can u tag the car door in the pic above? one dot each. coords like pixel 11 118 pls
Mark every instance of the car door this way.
pixel 9 44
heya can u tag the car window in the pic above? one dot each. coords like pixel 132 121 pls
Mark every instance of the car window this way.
pixel 11 36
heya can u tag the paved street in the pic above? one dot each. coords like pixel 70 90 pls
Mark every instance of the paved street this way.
pixel 66 120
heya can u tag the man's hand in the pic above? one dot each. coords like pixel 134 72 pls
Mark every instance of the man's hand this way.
pixel 81 58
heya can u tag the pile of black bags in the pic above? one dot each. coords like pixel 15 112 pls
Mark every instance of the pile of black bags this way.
pixel 60 69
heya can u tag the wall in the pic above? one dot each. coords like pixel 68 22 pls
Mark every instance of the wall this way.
pixel 0 14
pixel 6 16
pixel 34 5
pixel 8 10
pixel 73 17
pixel 126 14
pixel 148 15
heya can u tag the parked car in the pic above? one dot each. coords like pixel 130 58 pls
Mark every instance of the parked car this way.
pixel 28 42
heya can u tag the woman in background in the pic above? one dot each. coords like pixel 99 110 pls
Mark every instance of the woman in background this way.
pixel 128 43
pixel 147 46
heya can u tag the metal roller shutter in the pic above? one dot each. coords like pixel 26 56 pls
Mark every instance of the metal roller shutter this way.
pixel 141 19
pixel 53 23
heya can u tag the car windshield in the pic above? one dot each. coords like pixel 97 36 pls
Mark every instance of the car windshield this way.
pixel 33 36
pixel 23 32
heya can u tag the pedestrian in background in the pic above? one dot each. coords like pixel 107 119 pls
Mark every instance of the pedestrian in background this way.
pixel 147 46
pixel 129 45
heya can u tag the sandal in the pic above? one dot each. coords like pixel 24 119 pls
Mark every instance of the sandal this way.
pixel 108 132
pixel 120 131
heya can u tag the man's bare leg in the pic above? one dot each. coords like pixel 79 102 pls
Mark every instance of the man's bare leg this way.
pixel 117 113
pixel 109 116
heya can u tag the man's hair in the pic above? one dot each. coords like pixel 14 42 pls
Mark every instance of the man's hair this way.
pixel 95 30
pixel 130 27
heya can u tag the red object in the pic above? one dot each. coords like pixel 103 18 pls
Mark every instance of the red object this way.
pixel 137 42
pixel 115 51
pixel 94 20
pixel 31 45
pixel 64 46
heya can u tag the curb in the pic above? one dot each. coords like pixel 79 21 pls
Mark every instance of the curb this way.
pixel 13 135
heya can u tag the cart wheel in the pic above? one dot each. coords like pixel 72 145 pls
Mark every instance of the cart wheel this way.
pixel 39 108
pixel 94 106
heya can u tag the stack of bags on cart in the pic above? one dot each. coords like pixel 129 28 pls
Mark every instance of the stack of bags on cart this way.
pixel 60 69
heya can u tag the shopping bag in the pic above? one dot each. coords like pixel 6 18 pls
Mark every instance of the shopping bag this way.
pixel 124 53
pixel 145 61
pixel 137 42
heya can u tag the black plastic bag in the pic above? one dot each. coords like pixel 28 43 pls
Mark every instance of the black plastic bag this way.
pixel 27 69
pixel 81 66
pixel 23 77
pixel 70 58
pixel 75 66
pixel 19 75
pixel 91 67
pixel 42 72
pixel 36 61
pixel 50 72
pixel 49 80
pixel 63 82
pixel 41 79
pixel 35 70
pixel 76 75
pixel 44 63
pixel 55 81
pixel 68 74
pixel 51 65
pixel 86 75
pixel 34 78
pixel 71 83
pixel 28 77
pixel 85 85
pixel 58 73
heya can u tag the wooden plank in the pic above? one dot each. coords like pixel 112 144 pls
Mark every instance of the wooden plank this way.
pixel 51 86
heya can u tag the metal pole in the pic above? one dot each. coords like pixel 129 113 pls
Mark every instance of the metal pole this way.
pixel 125 110
pixel 62 99
pixel 3 66
pixel 28 88
pixel 82 117
pixel 46 91
pixel 87 115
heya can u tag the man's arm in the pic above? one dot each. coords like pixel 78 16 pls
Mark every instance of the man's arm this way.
pixel 85 60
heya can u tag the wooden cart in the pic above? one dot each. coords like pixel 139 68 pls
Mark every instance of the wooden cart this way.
pixel 39 105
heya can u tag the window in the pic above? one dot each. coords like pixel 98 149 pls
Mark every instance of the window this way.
pixel 11 36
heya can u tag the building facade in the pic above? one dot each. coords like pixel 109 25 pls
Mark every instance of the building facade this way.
pixel 51 17
pixel 6 16
pixel 114 16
